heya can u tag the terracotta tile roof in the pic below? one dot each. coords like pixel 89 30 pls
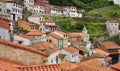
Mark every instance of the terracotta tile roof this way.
pixel 100 53
pixel 25 36
pixel 26 48
pixel 51 25
pixel 9 66
pixel 70 49
pixel 46 47
pixel 10 63
pixel 55 36
pixel 60 32
pixel 77 34
pixel 28 23
pixel 111 21
pixel 93 63
pixel 34 33
pixel 109 45
pixel 35 15
pixel 67 66
pixel 52 67
pixel 116 67
pixel 4 23
pixel 86 68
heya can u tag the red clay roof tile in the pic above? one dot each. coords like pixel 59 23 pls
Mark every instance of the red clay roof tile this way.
pixel 34 33
pixel 71 49
pixel 55 36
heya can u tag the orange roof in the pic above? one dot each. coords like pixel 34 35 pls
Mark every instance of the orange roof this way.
pixel 35 15
pixel 101 52
pixel 55 36
pixel 116 66
pixel 51 67
pixel 25 36
pixel 34 33
pixel 76 34
pixel 70 49
pixel 93 63
pixel 51 25
pixel 60 32
pixel 4 23
pixel 109 45
pixel 46 46
pixel 26 48
pixel 67 66
pixel 27 23
pixel 8 66
pixel 10 63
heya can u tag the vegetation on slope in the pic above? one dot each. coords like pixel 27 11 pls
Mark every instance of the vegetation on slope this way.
pixel 115 39
pixel 110 12
pixel 77 24
pixel 85 4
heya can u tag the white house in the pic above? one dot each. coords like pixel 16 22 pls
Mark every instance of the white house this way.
pixel 29 4
pixel 48 26
pixel 36 18
pixel 117 2
pixel 38 35
pixel 56 11
pixel 4 29
pixel 23 39
pixel 38 9
pixel 71 12
pixel 112 27
pixel 15 10
pixel 69 54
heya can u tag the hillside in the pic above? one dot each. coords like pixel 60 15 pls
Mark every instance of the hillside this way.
pixel 85 4
pixel 109 12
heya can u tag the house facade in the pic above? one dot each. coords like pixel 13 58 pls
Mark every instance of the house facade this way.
pixel 71 12
pixel 36 18
pixel 112 27
pixel 56 11
pixel 23 39
pixel 5 29
pixel 15 10
pixel 3 9
pixel 29 4
pixel 68 54
pixel 55 39
pixel 64 36
pixel 117 2
pixel 48 26
pixel 112 48
pixel 24 25
pixel 38 9
pixel 46 5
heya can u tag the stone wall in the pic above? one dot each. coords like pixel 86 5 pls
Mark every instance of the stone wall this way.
pixel 20 56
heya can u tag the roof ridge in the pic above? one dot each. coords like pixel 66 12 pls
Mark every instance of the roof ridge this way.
pixel 7 43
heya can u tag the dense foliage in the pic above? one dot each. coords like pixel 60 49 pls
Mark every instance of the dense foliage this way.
pixel 115 39
pixel 85 4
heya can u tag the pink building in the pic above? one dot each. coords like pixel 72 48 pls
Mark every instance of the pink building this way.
pixel 46 4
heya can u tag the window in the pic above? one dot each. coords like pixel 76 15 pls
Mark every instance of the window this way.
pixel 0 9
